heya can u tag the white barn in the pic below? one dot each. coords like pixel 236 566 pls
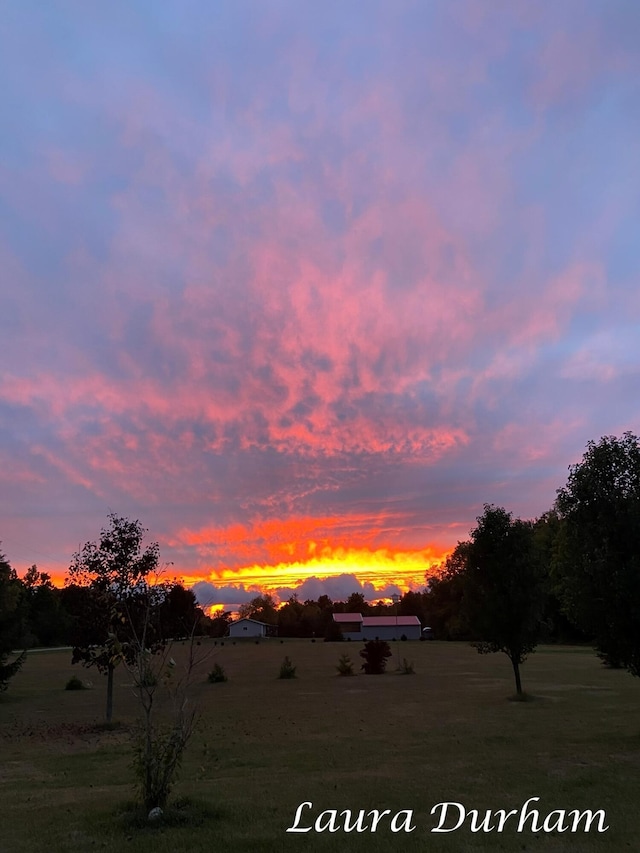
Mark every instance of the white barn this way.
pixel 355 626
pixel 248 628
pixel 391 627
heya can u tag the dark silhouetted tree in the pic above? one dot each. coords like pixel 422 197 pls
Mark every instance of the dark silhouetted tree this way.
pixel 48 622
pixel 178 615
pixel 290 618
pixel 356 603
pixel 504 594
pixel 262 608
pixel 598 557
pixel 375 654
pixel 218 625
pixel 444 595
pixel 11 593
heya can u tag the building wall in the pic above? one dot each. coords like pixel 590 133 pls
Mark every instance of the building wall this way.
pixel 390 632
pixel 246 629
pixel 350 627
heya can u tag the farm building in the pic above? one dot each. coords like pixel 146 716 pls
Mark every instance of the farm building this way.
pixel 249 628
pixel 355 626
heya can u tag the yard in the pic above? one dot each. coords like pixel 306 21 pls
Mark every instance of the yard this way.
pixel 263 746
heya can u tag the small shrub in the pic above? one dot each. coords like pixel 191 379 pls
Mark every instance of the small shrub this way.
pixel 75 683
pixel 345 665
pixel 149 678
pixel 8 670
pixel 375 654
pixel 407 668
pixel 287 669
pixel 157 756
pixel 217 675
pixel 404 638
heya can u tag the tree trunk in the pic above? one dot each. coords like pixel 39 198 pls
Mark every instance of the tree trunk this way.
pixel 110 693
pixel 516 672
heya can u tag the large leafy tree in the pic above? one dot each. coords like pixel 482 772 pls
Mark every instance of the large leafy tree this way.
pixel 598 557
pixel 48 621
pixel 444 595
pixel 262 608
pixel 110 581
pixel 11 592
pixel 503 587
pixel 178 614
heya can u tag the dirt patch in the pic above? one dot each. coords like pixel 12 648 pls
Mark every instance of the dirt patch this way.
pixel 64 733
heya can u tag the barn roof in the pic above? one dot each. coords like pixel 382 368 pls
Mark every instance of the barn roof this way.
pixel 347 617
pixel 375 621
pixel 247 619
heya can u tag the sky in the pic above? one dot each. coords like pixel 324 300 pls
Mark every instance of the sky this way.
pixel 302 285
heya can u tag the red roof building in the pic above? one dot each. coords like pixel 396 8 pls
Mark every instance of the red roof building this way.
pixel 355 626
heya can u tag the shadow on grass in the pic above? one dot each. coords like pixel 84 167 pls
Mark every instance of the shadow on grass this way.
pixel 113 726
pixel 524 697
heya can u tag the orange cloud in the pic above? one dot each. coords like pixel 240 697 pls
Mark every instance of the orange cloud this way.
pixel 287 552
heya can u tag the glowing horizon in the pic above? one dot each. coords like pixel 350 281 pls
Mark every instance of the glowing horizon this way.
pixel 359 568
pixel 381 569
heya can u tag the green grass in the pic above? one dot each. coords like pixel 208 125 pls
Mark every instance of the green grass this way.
pixel 264 745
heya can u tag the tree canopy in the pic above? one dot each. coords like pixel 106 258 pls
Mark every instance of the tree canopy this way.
pixel 262 608
pixel 598 554
pixel 111 576
pixel 503 586
pixel 10 622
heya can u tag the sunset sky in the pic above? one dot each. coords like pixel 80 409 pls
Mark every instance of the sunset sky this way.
pixel 301 285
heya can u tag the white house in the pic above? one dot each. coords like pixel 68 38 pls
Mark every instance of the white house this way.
pixel 248 628
pixel 355 626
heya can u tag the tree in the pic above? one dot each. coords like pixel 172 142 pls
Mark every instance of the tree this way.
pixel 290 618
pixel 218 625
pixel 47 619
pixel 443 597
pixel 356 603
pixel 503 587
pixel 333 633
pixel 113 573
pixel 11 590
pixel 162 737
pixel 179 615
pixel 556 625
pixel 412 604
pixel 598 556
pixel 375 654
pixel 262 608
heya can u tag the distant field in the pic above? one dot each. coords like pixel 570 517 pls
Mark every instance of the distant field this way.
pixel 263 746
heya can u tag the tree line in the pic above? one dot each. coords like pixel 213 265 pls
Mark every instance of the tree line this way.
pixel 573 574
pixel 35 613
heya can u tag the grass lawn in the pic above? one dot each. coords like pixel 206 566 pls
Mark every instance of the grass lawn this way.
pixel 263 746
